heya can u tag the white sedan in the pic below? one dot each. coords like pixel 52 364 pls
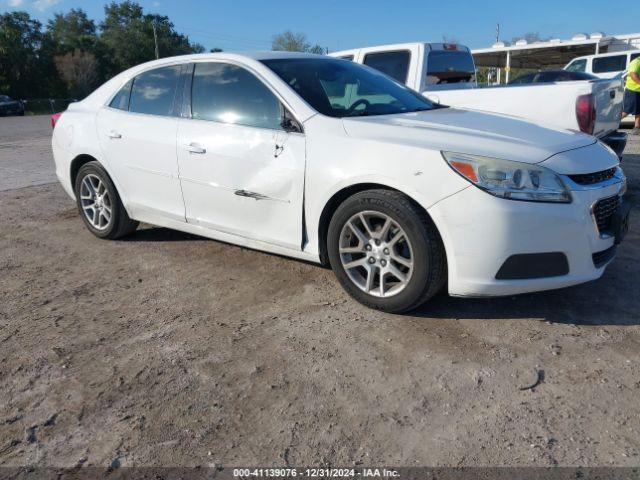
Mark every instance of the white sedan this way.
pixel 330 161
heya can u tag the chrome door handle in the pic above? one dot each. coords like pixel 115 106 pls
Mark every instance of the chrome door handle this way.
pixel 114 134
pixel 195 148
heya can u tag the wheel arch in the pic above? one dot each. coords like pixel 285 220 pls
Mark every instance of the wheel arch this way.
pixel 337 199
pixel 77 163
pixel 84 158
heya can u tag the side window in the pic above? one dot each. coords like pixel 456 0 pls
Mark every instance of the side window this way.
pixel 121 100
pixel 394 64
pixel 347 57
pixel 230 94
pixel 577 65
pixel 154 91
pixel 615 63
pixel 633 57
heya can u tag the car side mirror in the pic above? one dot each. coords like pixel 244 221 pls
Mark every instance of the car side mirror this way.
pixel 288 124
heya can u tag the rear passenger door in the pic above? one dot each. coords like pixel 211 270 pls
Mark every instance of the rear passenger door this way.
pixel 137 133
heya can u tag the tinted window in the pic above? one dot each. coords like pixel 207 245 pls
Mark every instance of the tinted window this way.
pixel 449 66
pixel 121 100
pixel 154 91
pixel 345 89
pixel 609 64
pixel 634 56
pixel 394 64
pixel 347 57
pixel 230 94
pixel 523 79
pixel 577 65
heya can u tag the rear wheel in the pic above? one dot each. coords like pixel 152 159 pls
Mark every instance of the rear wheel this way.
pixel 99 203
pixel 385 251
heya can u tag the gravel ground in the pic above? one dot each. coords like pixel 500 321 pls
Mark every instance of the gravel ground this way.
pixel 166 349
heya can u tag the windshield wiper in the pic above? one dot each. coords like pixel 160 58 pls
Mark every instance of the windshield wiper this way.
pixel 362 114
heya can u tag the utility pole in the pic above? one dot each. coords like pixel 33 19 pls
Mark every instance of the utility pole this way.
pixel 497 32
pixel 155 38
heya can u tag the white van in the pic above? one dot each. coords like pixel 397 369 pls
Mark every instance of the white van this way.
pixel 603 65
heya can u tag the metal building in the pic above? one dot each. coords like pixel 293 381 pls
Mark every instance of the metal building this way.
pixel 554 53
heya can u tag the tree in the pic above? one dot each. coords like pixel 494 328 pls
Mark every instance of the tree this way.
pixel 70 33
pixel 289 41
pixel 127 35
pixel 79 70
pixel 72 30
pixel 20 42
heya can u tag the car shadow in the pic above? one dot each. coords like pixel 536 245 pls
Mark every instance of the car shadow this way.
pixel 610 300
pixel 160 234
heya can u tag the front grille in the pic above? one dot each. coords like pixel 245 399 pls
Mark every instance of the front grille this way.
pixel 603 212
pixel 601 258
pixel 596 177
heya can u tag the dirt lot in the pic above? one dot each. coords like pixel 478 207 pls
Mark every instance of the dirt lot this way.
pixel 168 349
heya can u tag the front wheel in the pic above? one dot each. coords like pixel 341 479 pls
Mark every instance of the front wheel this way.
pixel 386 251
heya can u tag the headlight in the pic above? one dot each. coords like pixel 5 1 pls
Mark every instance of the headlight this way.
pixel 511 180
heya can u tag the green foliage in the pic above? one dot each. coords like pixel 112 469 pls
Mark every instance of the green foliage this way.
pixel 127 34
pixel 33 59
pixel 289 41
pixel 20 42
pixel 72 55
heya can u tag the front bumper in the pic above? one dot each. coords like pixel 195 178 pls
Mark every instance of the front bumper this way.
pixel 481 232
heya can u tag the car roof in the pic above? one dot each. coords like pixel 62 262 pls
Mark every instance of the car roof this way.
pixel 257 55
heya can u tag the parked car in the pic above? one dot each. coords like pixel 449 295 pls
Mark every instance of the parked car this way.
pixel 551 76
pixel 603 65
pixel 8 106
pixel 445 73
pixel 323 159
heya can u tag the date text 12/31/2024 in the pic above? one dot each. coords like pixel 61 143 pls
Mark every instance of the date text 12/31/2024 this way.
pixel 315 472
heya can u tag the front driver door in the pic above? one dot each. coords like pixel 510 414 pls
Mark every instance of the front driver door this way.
pixel 240 172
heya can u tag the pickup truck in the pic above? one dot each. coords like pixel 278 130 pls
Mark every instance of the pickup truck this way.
pixel 445 73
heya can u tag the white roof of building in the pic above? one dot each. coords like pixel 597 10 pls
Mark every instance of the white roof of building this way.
pixel 554 51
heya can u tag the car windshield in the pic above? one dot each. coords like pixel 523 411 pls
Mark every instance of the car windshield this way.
pixel 340 88
pixel 4 98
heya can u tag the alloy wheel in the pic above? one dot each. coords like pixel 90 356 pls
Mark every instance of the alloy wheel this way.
pixel 376 253
pixel 96 201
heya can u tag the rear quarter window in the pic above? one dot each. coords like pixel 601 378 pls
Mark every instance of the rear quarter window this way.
pixel 121 99
pixel 615 63
pixel 393 64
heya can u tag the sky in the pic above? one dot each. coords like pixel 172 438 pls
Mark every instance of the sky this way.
pixel 338 25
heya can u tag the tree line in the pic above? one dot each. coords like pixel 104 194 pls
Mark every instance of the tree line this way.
pixel 72 54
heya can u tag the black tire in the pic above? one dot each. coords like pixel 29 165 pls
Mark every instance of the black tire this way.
pixel 119 224
pixel 429 258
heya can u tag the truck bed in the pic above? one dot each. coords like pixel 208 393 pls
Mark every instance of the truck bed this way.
pixel 552 104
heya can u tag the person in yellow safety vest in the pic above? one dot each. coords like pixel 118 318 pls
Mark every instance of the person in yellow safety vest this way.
pixel 632 94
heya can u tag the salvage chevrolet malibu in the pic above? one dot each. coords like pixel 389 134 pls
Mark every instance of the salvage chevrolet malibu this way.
pixel 325 160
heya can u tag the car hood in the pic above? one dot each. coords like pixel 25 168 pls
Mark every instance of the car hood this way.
pixel 469 131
